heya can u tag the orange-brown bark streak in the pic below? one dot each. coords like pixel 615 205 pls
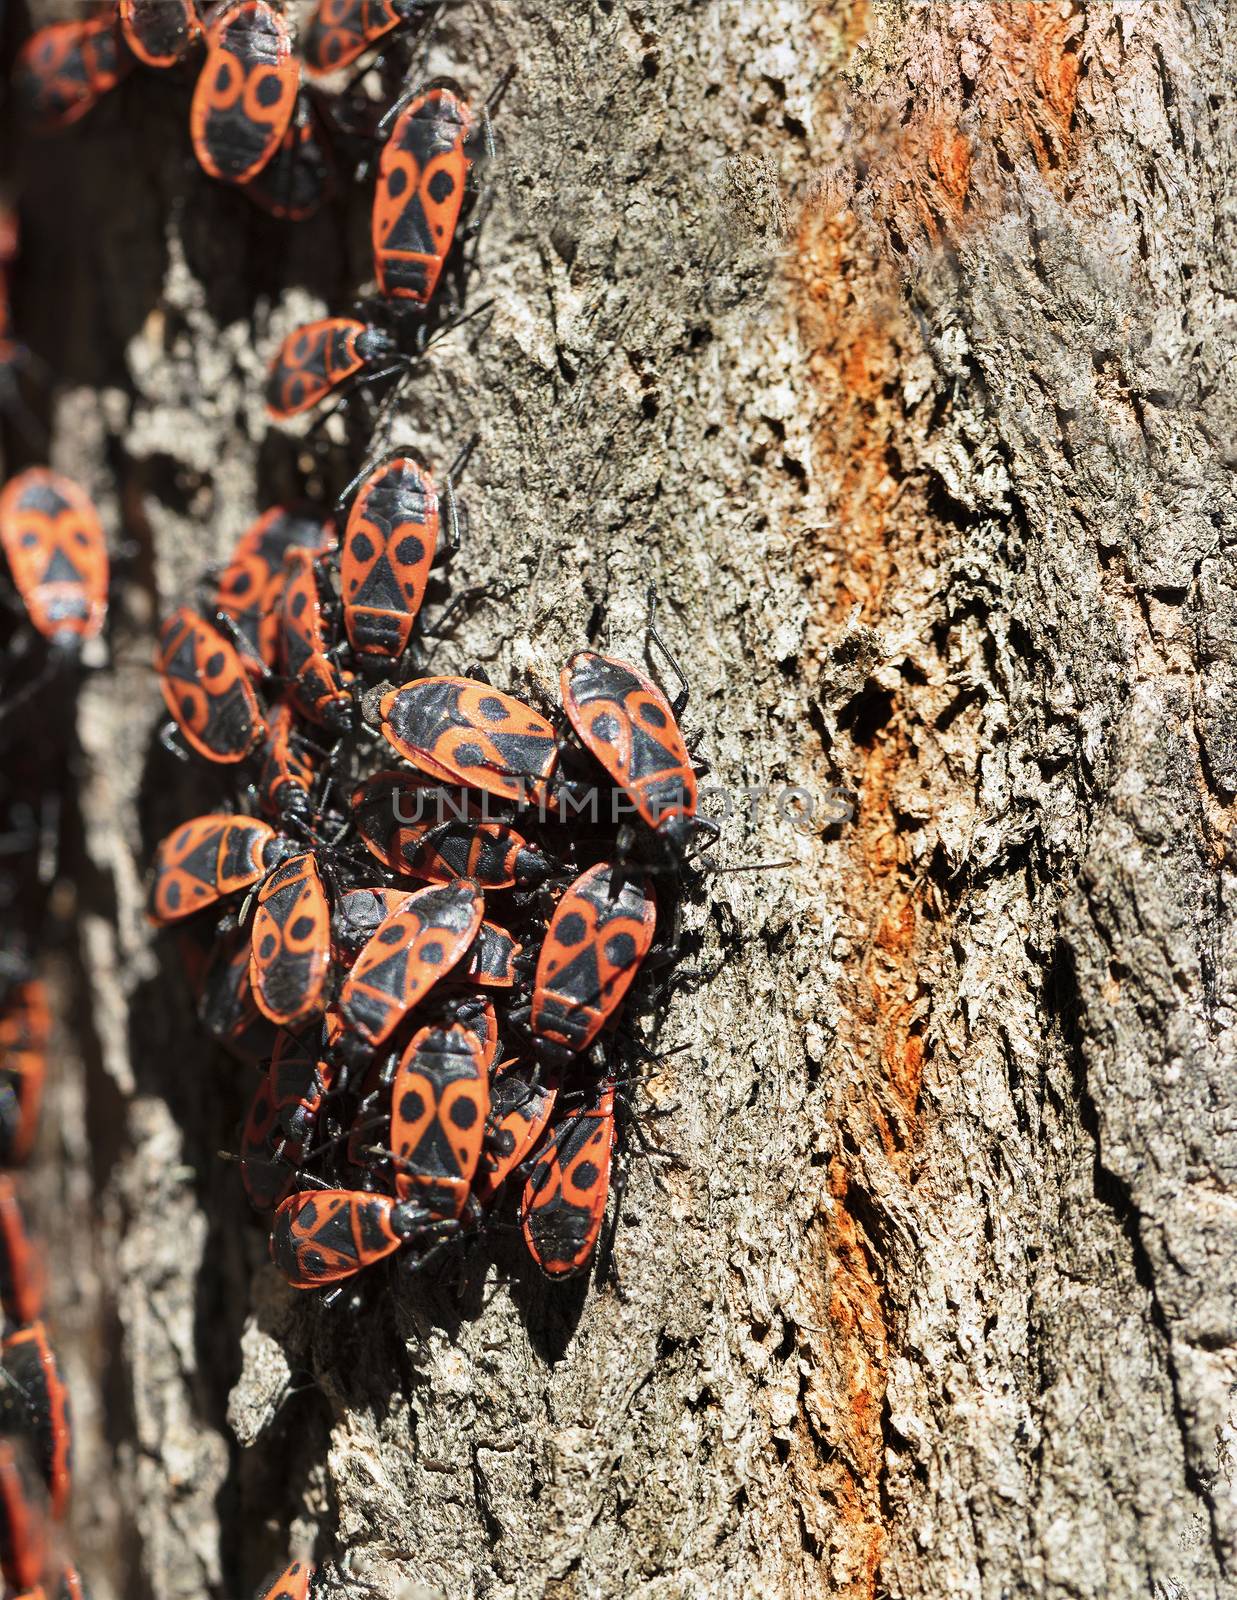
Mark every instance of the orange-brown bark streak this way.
pixel 980 89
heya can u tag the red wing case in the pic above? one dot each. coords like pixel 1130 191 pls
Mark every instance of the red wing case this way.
pixel 422 182
pixel 57 555
pixel 564 1199
pixel 600 932
pixel 246 93
pixel 627 723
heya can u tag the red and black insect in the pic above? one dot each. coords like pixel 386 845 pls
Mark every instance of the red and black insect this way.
pixel 36 1405
pixel 627 723
pixel 422 184
pixel 23 1272
pixel 317 684
pixel 600 932
pixel 286 776
pixel 319 358
pixel 410 952
pixel 299 177
pixel 208 858
pixel 388 549
pixel 207 689
pixel 465 732
pixel 564 1200
pixel 245 97
pixel 24 1536
pixel 471 1010
pixel 57 555
pixel 492 852
pixel 291 956
pixel 63 70
pixel 440 1099
pixel 25 1032
pixel 341 31
pixel 160 32
pixel 252 583
pixel 423 830
pixel 295 1582
pixel 321 1236
pixel 519 1113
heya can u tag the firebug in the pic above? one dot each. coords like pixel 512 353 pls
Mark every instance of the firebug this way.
pixel 227 1008
pixel 422 184
pixel 519 1113
pixel 208 858
pixel 601 930
pixel 291 954
pixel 319 358
pixel 321 1236
pixel 440 1099
pixel 246 94
pixel 295 1582
pixel 207 689
pixel 63 70
pixel 564 1200
pixel 492 852
pixel 159 32
pixel 301 1075
pixel 627 723
pixel 388 549
pixel 318 686
pixel 286 775
pixel 463 731
pixel 341 31
pixel 268 1158
pixel 408 954
pixel 426 830
pixel 57 555
pixel 251 584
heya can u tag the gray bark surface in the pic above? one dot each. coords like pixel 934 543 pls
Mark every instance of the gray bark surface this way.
pixel 896 348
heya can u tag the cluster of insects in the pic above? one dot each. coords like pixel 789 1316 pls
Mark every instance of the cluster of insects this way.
pixel 408 928
pixel 424 912
pixel 264 116
pixel 55 587
pixel 408 934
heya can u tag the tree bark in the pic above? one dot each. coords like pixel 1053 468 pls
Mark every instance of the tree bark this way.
pixel 895 345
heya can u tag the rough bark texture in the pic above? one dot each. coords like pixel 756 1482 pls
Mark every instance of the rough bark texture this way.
pixel 895 345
